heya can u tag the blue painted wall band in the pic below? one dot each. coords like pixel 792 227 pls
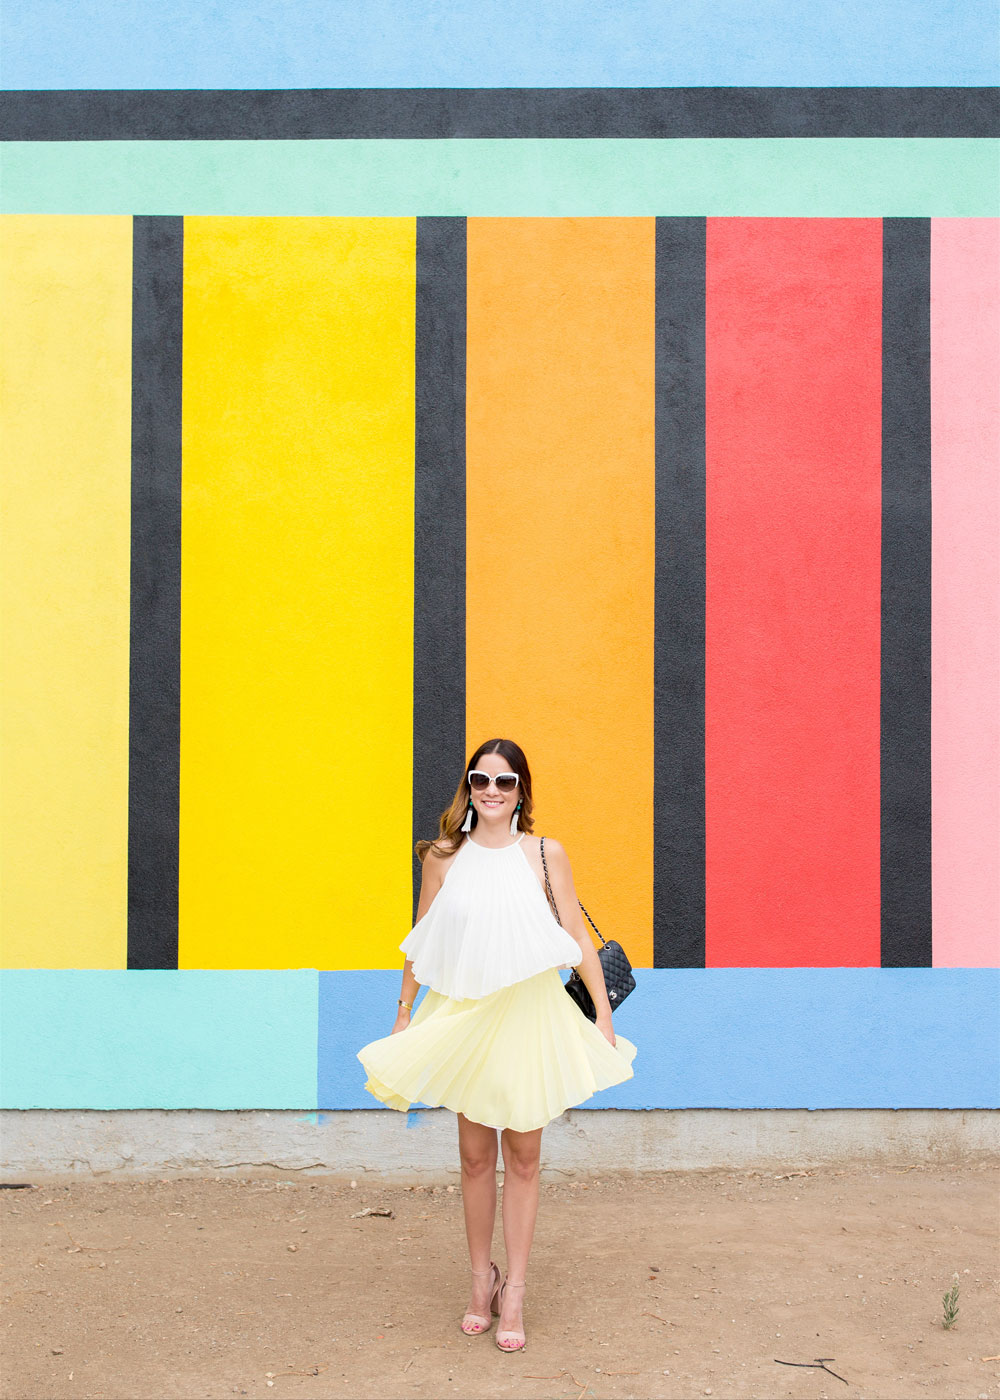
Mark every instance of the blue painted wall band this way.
pixel 498 43
pixel 748 1037
pixel 707 1038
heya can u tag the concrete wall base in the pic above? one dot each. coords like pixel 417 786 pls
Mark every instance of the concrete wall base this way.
pixel 421 1146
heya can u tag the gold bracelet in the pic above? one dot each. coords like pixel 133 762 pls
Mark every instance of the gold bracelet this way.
pixel 407 1004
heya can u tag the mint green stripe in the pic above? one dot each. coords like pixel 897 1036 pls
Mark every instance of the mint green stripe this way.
pixel 137 1039
pixel 778 178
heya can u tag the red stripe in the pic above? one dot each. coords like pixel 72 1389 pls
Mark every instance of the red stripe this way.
pixel 793 506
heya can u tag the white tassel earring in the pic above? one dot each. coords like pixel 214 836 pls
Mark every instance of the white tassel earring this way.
pixel 513 820
pixel 467 824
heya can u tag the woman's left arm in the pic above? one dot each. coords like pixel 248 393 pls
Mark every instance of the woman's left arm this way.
pixel 561 880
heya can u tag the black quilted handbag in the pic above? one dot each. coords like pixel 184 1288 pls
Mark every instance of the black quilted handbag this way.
pixel 615 965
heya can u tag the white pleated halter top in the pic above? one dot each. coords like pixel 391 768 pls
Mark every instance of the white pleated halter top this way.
pixel 489 926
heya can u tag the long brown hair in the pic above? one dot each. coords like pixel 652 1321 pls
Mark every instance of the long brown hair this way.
pixel 450 835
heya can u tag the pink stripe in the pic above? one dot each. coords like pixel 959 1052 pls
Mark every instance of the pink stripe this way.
pixel 965 582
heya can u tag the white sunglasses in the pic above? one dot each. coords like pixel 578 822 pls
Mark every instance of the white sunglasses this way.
pixel 480 781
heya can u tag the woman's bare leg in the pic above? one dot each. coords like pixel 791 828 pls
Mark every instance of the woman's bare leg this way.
pixel 521 1154
pixel 477 1147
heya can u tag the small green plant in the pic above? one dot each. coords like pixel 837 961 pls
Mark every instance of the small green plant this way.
pixel 950 1302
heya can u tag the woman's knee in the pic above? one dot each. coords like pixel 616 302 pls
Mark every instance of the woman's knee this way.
pixel 477 1148
pixel 521 1154
pixel 479 1163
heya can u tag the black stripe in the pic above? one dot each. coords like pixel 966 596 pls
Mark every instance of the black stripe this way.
pixel 155 632
pixel 906 595
pixel 679 664
pixel 439 523
pixel 380 113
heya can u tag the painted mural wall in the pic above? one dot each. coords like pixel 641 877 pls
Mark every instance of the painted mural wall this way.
pixel 361 407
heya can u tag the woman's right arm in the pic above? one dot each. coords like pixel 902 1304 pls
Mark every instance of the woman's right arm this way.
pixel 409 993
pixel 431 874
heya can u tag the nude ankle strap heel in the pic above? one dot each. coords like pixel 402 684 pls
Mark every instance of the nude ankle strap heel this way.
pixel 483 1323
pixel 509 1339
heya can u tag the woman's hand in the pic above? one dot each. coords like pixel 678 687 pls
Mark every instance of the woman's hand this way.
pixel 402 1020
pixel 604 1026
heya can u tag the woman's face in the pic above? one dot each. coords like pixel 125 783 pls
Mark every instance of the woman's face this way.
pixel 491 805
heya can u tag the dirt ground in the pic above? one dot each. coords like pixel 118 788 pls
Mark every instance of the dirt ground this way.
pixel 677 1286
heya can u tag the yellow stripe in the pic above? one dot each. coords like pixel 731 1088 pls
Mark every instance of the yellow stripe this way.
pixel 66 386
pixel 297 592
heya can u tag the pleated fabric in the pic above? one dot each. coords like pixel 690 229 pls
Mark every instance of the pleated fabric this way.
pixel 489 926
pixel 516 1058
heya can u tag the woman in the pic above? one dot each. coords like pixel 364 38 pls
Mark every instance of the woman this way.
pixel 496 1038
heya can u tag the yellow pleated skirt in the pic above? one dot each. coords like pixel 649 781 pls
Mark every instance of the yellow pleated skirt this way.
pixel 514 1059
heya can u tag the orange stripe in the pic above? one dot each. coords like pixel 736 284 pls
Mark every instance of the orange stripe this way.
pixel 560 384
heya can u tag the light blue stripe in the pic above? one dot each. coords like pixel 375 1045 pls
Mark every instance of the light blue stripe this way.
pixel 725 1037
pixel 498 43
pixel 749 1038
pixel 775 178
pixel 195 1039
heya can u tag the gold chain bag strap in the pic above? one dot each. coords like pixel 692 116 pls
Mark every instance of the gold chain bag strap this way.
pixel 614 964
